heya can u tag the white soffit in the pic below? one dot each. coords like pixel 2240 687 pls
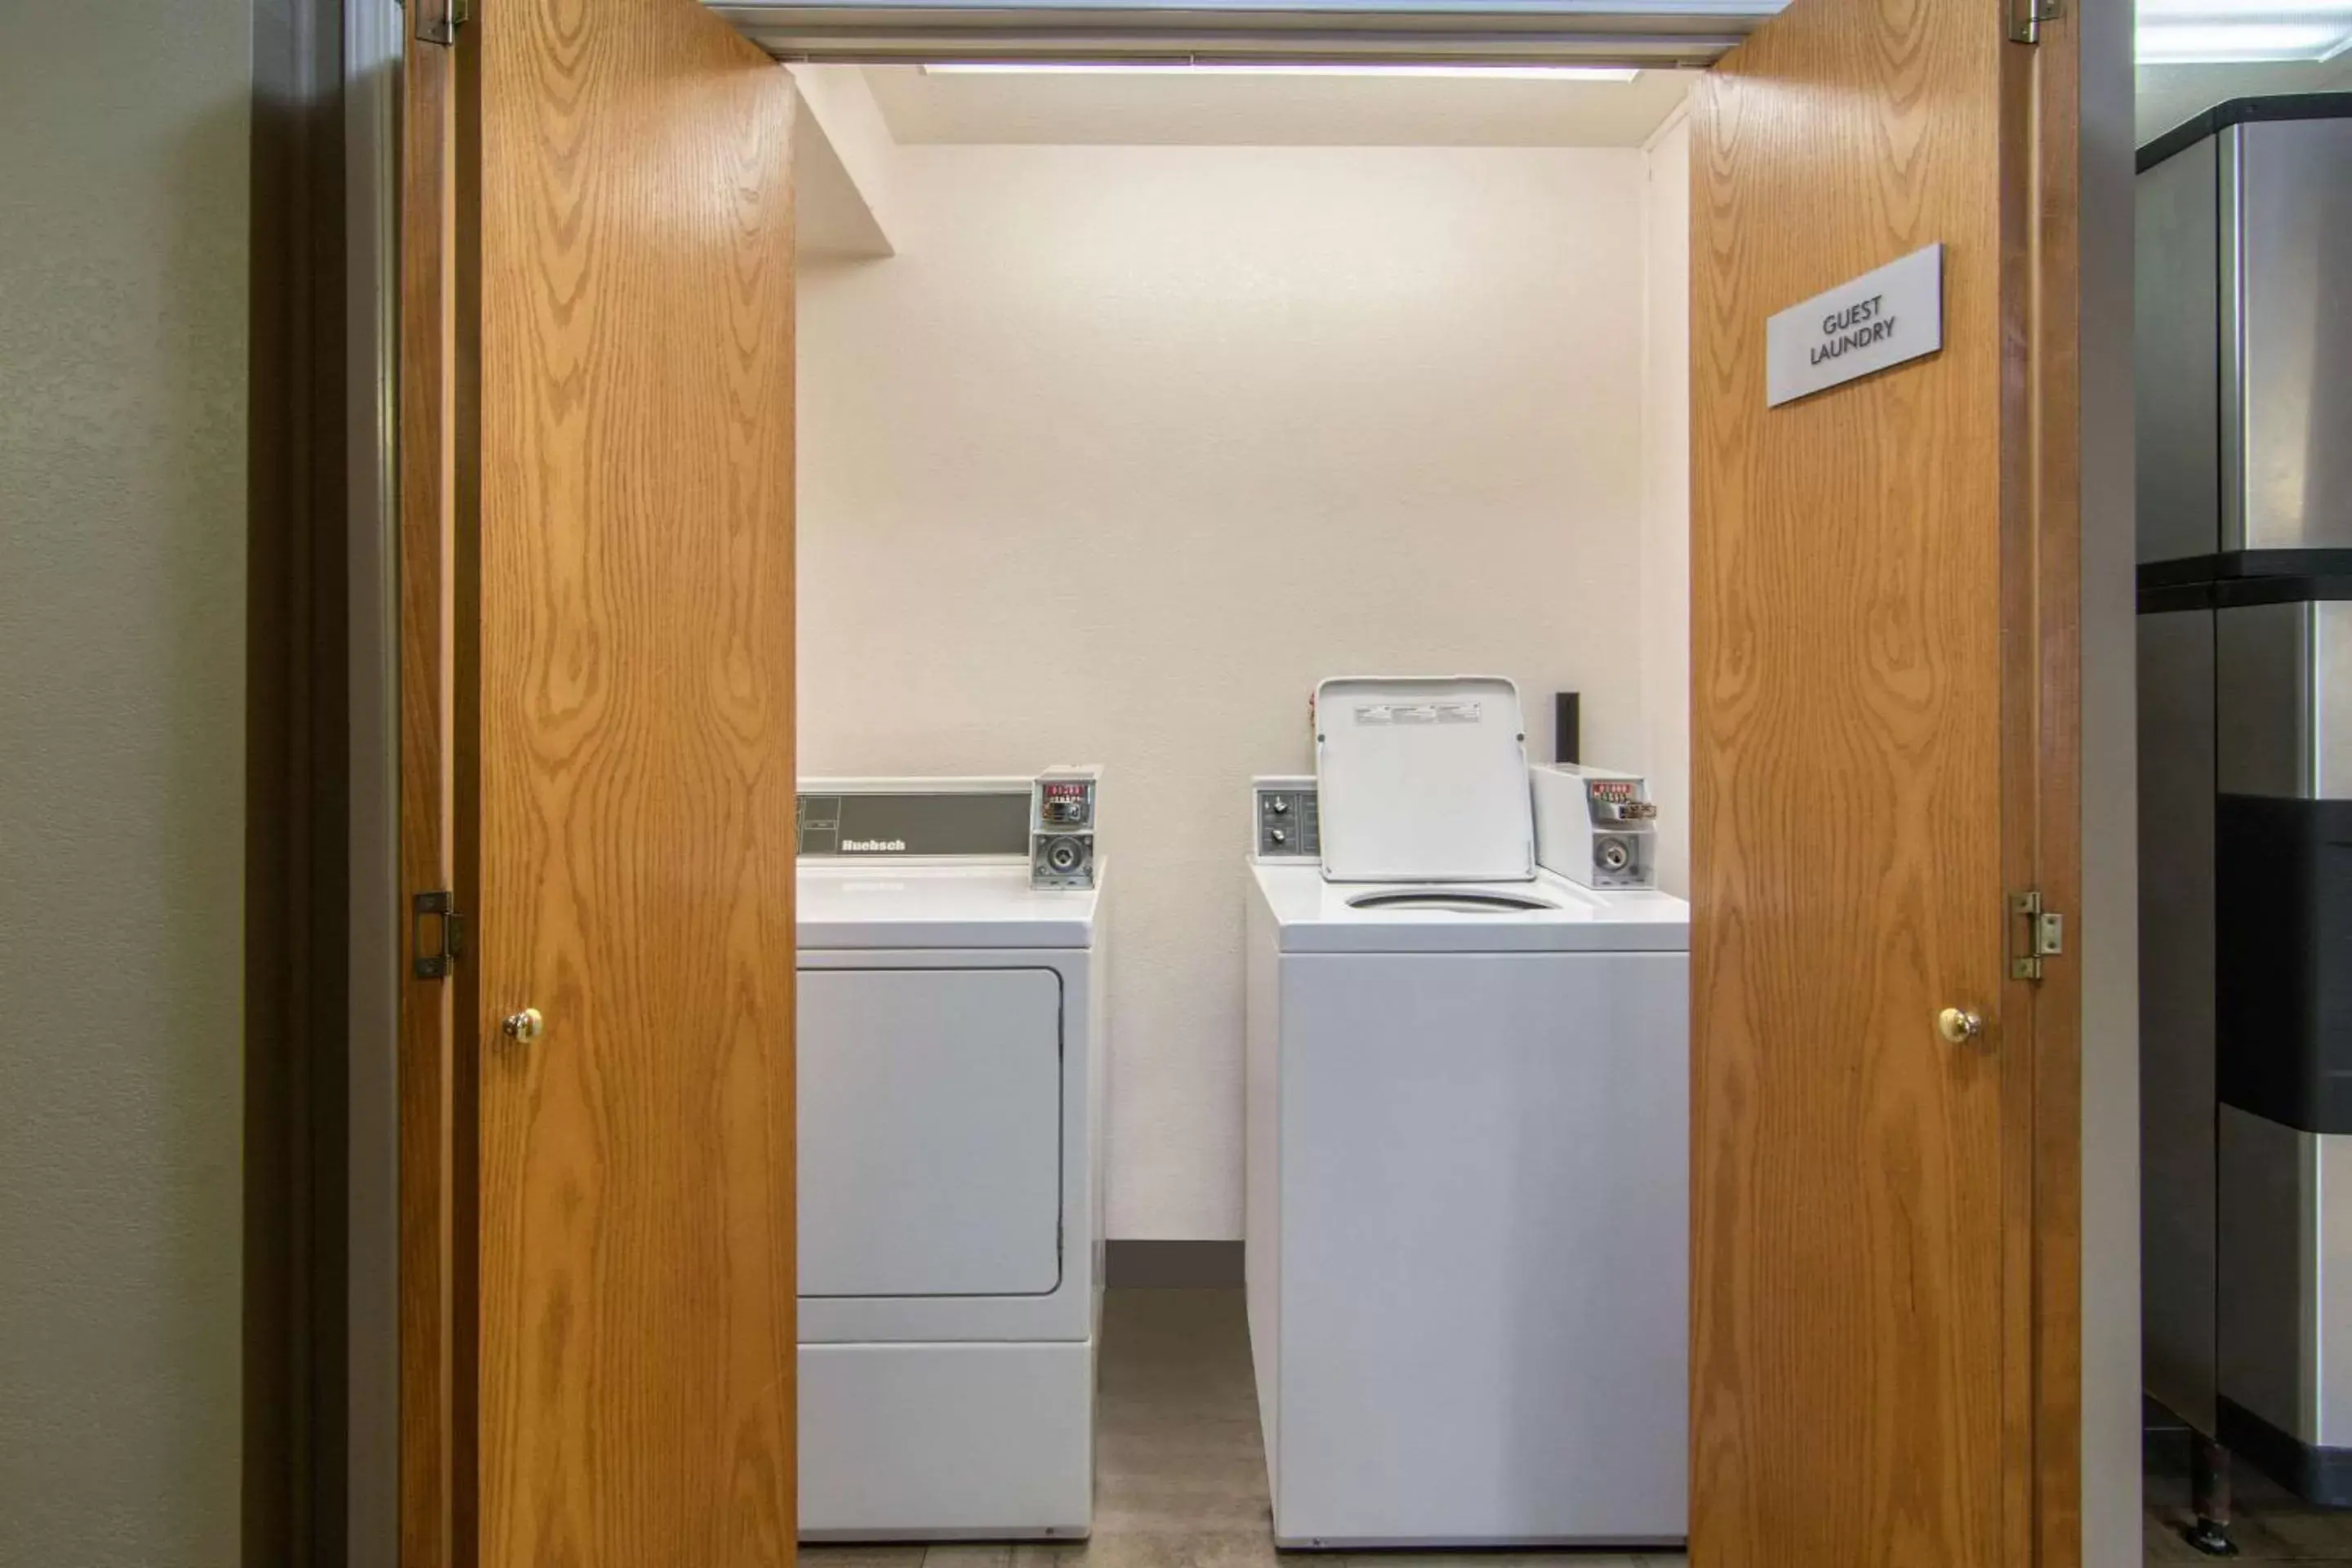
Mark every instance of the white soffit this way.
pixel 2241 32
pixel 1211 111
pixel 1646 33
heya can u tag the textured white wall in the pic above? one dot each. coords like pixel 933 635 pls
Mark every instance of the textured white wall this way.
pixel 1133 445
pixel 123 272
pixel 1666 494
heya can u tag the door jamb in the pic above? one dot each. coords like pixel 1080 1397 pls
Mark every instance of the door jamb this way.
pixel 436 1381
pixel 2055 356
pixel 2041 784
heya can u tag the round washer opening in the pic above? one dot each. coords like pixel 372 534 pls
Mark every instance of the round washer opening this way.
pixel 1453 901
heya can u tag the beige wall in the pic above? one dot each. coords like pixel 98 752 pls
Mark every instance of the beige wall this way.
pixel 1666 493
pixel 1131 445
pixel 122 373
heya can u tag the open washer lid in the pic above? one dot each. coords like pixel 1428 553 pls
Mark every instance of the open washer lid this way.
pixel 1422 780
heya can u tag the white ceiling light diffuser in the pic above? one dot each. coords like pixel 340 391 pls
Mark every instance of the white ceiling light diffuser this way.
pixel 1164 67
pixel 2220 32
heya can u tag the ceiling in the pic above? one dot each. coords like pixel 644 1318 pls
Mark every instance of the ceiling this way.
pixel 1263 112
pixel 1208 110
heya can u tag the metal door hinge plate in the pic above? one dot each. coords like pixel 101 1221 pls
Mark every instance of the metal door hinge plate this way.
pixel 448 945
pixel 2026 17
pixel 2044 935
pixel 437 21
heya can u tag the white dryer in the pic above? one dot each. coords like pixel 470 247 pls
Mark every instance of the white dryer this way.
pixel 1467 1150
pixel 949 1051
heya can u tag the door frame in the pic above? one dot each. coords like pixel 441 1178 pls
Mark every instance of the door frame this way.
pixel 437 1420
pixel 2043 655
pixel 303 1377
pixel 2042 781
pixel 372 39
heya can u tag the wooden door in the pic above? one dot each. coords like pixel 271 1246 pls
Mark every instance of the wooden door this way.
pixel 1883 722
pixel 615 1382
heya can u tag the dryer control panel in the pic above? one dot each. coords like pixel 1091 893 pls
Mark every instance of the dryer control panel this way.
pixel 1287 824
pixel 1062 828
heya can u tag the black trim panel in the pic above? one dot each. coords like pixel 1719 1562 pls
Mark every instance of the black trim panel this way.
pixel 2243 591
pixel 2239 592
pixel 2240 112
pixel 2233 565
pixel 2283 946
pixel 2245 577
pixel 2322 1476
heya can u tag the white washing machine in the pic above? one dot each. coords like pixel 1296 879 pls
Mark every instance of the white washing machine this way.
pixel 950 1049
pixel 1467 1151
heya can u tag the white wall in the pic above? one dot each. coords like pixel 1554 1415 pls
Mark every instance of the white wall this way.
pixel 1666 493
pixel 124 273
pixel 1136 443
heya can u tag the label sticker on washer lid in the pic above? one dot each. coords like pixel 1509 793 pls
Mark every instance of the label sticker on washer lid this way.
pixel 1455 712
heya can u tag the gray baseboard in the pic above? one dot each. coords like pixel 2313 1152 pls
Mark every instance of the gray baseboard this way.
pixel 1172 1265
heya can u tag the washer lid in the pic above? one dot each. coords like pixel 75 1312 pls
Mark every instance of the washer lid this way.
pixel 1423 780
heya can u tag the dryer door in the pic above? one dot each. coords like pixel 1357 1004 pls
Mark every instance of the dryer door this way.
pixel 930 1131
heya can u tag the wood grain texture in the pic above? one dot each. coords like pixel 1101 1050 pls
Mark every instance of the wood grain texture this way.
pixel 435 1415
pixel 2055 132
pixel 1862 1192
pixel 636 788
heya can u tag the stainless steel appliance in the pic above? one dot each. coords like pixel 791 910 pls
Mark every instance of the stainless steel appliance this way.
pixel 2244 407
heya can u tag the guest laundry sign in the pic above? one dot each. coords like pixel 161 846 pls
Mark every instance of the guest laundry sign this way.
pixel 1880 319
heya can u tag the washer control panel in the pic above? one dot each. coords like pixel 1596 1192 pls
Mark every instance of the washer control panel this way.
pixel 1287 824
pixel 1617 800
pixel 1595 825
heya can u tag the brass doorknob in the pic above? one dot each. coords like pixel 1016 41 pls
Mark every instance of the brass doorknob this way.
pixel 524 1026
pixel 1958 1025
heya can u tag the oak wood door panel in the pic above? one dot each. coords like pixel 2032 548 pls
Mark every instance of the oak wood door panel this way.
pixel 633 596
pixel 1864 788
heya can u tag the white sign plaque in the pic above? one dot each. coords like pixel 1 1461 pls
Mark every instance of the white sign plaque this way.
pixel 1880 319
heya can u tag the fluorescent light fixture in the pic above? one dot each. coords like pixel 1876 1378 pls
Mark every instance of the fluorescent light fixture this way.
pixel 1236 67
pixel 2217 32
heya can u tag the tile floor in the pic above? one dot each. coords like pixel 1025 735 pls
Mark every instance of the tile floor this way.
pixel 1180 1478
pixel 2273 1525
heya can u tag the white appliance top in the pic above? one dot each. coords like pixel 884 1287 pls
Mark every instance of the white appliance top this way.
pixel 1423 780
pixel 881 904
pixel 1315 915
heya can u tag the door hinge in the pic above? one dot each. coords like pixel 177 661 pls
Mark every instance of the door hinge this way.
pixel 2043 935
pixel 448 935
pixel 437 21
pixel 2026 17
